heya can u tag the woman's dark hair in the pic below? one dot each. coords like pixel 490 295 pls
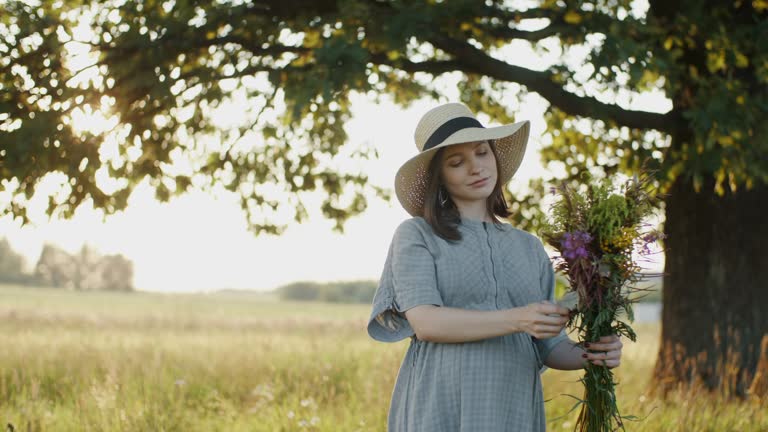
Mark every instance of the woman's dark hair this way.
pixel 445 219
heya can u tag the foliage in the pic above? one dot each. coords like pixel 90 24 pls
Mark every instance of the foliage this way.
pixel 596 234
pixel 333 292
pixel 84 271
pixel 12 265
pixel 159 71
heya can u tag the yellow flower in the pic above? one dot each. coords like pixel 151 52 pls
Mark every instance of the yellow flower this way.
pixel 620 242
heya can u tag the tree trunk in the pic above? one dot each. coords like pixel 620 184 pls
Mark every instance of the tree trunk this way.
pixel 715 293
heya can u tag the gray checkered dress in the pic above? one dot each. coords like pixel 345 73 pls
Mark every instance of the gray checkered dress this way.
pixel 491 385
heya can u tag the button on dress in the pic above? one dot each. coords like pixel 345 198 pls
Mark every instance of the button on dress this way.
pixel 489 385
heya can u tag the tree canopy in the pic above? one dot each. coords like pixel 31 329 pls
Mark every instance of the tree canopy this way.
pixel 160 69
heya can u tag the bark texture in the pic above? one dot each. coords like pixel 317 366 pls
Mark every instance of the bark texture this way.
pixel 715 296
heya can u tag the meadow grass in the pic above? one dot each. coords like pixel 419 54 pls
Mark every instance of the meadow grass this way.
pixel 234 361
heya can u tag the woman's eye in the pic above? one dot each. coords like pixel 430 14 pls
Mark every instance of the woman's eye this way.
pixel 456 164
pixel 483 152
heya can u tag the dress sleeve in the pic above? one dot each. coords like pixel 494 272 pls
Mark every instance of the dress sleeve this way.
pixel 408 280
pixel 547 282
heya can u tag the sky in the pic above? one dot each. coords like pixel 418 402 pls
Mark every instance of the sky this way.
pixel 199 241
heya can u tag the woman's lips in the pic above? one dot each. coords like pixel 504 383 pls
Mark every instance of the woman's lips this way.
pixel 479 183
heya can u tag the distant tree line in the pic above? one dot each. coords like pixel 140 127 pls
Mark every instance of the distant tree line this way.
pixel 362 291
pixel 333 292
pixel 85 270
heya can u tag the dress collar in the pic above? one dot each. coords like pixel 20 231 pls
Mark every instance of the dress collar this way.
pixel 476 224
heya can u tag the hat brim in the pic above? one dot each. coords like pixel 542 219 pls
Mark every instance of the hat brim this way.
pixel 511 141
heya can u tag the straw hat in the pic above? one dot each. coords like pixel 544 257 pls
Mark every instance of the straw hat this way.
pixel 451 124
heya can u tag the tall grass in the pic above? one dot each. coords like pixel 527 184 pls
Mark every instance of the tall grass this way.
pixel 241 362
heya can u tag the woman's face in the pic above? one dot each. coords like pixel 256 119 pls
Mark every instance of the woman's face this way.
pixel 469 171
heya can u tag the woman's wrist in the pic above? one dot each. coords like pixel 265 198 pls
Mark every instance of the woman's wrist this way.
pixel 513 319
pixel 567 355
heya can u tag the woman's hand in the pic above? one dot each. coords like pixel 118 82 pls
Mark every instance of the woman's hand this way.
pixel 609 351
pixel 541 320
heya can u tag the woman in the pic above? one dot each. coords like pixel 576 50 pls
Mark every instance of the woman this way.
pixel 472 293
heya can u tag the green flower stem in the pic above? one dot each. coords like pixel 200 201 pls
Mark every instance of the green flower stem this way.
pixel 599 413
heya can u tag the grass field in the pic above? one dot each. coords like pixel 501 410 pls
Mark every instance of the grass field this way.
pixel 248 362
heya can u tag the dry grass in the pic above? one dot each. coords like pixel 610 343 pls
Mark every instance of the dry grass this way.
pixel 231 362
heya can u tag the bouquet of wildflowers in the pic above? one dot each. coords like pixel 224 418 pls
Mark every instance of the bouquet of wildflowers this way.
pixel 595 230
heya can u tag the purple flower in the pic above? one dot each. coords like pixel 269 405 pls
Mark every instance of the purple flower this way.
pixel 646 240
pixel 653 236
pixel 574 245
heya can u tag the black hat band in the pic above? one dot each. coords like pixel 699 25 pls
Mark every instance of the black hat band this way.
pixel 449 128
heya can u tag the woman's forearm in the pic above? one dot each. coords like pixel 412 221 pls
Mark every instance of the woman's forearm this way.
pixel 453 325
pixel 566 356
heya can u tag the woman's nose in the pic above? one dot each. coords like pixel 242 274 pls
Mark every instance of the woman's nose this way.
pixel 474 165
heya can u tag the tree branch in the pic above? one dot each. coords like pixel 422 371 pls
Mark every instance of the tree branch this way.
pixel 255 47
pixel 505 31
pixel 294 8
pixel 432 67
pixel 531 36
pixel 473 60
pixel 83 69
pixel 532 13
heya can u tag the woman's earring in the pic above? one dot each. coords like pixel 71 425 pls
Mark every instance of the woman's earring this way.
pixel 440 197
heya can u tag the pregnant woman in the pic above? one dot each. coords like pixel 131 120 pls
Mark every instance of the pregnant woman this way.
pixel 471 292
